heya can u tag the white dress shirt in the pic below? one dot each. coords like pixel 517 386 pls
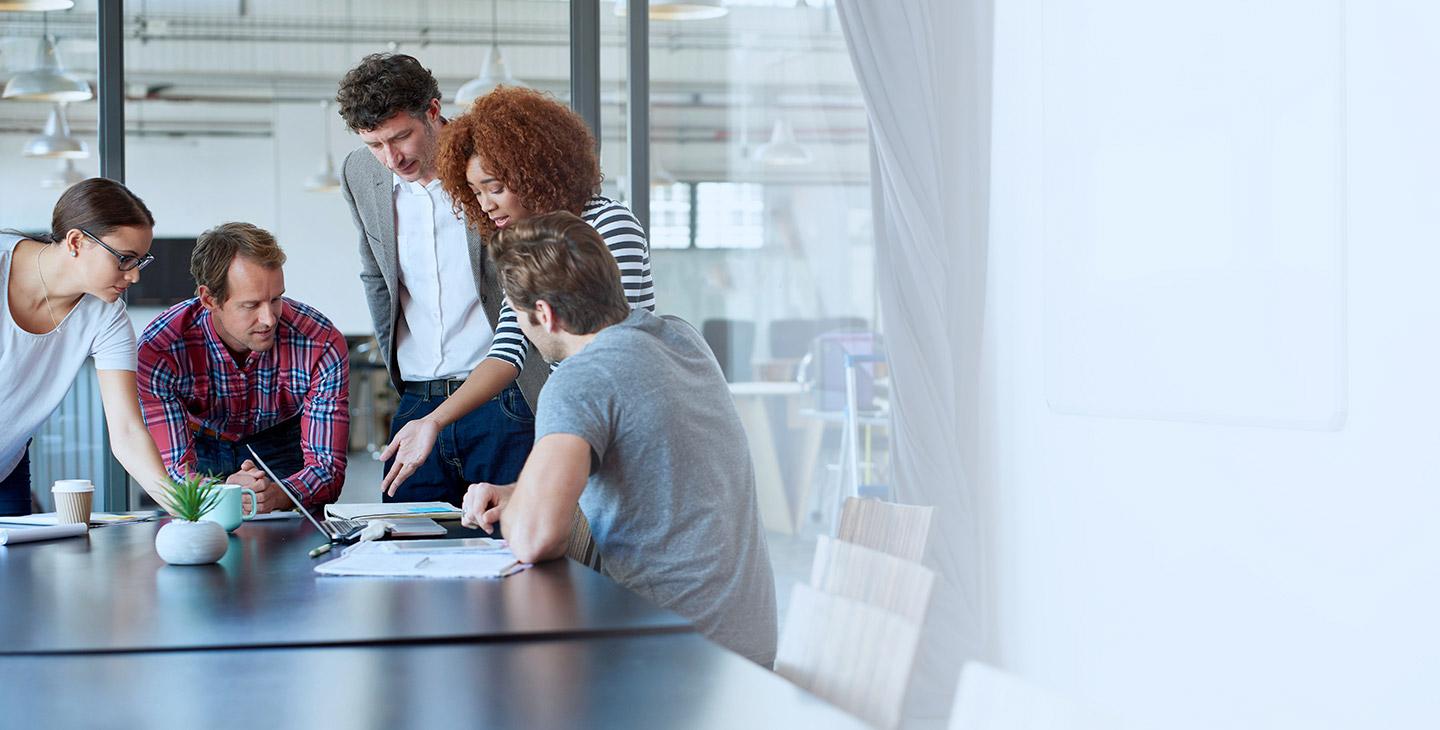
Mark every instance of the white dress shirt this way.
pixel 443 330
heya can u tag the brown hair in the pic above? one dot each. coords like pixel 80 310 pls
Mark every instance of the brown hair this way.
pixel 559 258
pixel 216 248
pixel 383 84
pixel 99 206
pixel 531 143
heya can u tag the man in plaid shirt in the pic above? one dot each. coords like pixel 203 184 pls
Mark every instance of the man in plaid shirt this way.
pixel 241 365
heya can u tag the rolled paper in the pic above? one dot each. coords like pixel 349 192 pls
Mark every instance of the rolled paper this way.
pixel 10 536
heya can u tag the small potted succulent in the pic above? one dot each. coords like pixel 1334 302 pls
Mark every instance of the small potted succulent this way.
pixel 186 539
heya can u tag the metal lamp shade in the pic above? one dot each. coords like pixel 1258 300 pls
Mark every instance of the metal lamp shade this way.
pixel 679 9
pixel 63 178
pixel 47 81
pixel 325 181
pixel 493 73
pixel 40 5
pixel 782 149
pixel 56 141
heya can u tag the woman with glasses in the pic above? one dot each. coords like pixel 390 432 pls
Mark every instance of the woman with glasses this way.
pixel 61 306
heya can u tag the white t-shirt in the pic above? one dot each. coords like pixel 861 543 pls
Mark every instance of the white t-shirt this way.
pixel 37 370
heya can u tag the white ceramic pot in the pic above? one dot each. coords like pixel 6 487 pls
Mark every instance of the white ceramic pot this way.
pixel 191 543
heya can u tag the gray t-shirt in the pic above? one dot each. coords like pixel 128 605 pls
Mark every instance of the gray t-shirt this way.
pixel 671 495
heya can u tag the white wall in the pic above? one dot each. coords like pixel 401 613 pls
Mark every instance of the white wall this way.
pixel 1193 570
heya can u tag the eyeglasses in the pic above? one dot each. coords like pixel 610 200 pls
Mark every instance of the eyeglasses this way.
pixel 127 262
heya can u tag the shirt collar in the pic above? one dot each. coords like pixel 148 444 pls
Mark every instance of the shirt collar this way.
pixel 220 351
pixel 413 188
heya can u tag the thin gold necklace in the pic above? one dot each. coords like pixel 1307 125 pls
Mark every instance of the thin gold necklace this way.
pixel 54 323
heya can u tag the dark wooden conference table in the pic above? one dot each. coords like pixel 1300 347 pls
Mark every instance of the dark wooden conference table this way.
pixel 260 640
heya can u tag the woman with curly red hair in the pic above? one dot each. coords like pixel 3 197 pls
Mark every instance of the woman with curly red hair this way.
pixel 518 153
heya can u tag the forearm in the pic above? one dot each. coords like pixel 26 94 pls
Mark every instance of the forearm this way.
pixel 533 534
pixel 536 521
pixel 484 382
pixel 136 452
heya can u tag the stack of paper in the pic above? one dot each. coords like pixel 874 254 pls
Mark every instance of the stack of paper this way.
pixel 476 557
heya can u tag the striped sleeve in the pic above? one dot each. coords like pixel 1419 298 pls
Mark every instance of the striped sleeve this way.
pixel 626 239
pixel 509 344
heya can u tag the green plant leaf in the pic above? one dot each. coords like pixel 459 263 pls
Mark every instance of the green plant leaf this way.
pixel 190 498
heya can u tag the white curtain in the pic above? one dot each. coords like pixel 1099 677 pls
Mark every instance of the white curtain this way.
pixel 924 70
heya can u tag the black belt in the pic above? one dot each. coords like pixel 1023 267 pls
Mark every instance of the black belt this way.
pixel 434 388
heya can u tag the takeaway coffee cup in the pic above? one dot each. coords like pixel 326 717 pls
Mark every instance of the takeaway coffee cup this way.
pixel 73 498
pixel 227 511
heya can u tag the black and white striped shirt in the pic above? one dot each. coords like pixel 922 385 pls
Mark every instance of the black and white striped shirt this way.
pixel 626 240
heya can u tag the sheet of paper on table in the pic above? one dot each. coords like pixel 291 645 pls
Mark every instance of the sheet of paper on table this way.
pixel 96 518
pixel 477 557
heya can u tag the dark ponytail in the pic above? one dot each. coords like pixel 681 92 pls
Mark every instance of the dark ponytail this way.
pixel 98 205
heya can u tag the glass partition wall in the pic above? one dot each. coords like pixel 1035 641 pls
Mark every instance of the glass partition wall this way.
pixel 48 142
pixel 756 178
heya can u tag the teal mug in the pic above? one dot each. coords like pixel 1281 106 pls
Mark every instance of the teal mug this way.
pixel 227 511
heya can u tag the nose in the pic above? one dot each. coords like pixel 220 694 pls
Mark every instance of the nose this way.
pixel 133 276
pixel 267 316
pixel 487 203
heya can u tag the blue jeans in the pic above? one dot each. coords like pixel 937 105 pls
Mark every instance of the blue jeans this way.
pixel 15 488
pixel 490 444
pixel 278 445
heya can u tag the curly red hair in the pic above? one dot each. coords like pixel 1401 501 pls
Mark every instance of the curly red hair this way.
pixel 529 142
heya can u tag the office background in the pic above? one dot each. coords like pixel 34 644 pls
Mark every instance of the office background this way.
pixel 1177 308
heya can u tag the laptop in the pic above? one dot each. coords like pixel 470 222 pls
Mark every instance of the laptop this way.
pixel 338 530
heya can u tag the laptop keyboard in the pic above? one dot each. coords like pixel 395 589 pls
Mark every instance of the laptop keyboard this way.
pixel 338 527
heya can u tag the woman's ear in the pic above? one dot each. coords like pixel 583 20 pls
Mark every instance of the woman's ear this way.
pixel 72 241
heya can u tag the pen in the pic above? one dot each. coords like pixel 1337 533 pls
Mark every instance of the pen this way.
pixel 321 550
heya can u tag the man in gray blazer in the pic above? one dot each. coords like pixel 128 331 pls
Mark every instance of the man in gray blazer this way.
pixel 433 294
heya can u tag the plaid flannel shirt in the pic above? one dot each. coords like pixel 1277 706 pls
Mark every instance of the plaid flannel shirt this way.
pixel 188 379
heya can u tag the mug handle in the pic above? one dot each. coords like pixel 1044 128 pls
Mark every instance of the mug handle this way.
pixel 254 504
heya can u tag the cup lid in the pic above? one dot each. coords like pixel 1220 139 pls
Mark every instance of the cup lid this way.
pixel 73 485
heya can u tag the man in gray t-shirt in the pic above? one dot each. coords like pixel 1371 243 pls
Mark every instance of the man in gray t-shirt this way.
pixel 638 426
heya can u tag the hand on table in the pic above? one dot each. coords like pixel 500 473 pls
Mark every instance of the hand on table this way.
pixel 268 493
pixel 410 447
pixel 483 505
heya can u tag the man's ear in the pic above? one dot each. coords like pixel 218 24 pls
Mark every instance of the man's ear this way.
pixel 546 316
pixel 207 300
pixel 432 113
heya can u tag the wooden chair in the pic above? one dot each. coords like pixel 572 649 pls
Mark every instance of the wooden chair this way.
pixel 581 547
pixel 992 699
pixel 851 654
pixel 898 529
pixel 870 576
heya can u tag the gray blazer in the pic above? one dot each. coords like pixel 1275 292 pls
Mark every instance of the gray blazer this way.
pixel 369 191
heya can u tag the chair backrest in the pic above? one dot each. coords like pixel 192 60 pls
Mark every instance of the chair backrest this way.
pixel 992 699
pixel 582 547
pixel 898 529
pixel 882 580
pixel 792 338
pixel 851 654
pixel 733 342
